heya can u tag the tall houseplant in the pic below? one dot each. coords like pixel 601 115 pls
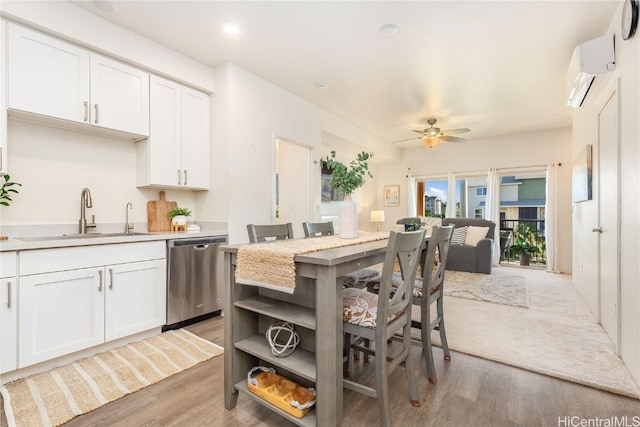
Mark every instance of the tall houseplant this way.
pixel 525 243
pixel 347 179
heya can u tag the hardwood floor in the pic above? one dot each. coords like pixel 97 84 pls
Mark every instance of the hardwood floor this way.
pixel 470 392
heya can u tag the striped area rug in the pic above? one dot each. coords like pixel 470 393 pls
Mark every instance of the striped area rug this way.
pixel 54 397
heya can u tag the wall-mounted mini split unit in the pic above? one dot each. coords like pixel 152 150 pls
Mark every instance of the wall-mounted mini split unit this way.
pixel 594 57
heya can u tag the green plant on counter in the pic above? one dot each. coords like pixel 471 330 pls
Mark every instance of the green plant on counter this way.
pixel 6 189
pixel 349 179
pixel 179 211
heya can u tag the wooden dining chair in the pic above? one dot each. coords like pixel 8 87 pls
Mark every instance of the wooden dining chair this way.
pixel 317 229
pixel 370 318
pixel 262 233
pixel 428 291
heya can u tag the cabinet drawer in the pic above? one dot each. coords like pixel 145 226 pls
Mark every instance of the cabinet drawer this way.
pixel 7 264
pixel 60 259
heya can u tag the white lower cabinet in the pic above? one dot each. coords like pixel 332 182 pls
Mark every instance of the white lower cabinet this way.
pixel 61 312
pixel 135 298
pixel 8 312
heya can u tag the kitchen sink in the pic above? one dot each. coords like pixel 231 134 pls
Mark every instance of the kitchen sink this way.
pixel 77 236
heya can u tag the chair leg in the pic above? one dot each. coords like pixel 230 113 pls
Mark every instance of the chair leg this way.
pixel 347 367
pixel 382 383
pixel 427 349
pixel 443 334
pixel 408 364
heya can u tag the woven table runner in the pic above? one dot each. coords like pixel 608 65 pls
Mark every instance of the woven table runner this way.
pixel 271 264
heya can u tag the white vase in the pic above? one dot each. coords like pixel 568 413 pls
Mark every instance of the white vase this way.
pixel 348 219
pixel 179 220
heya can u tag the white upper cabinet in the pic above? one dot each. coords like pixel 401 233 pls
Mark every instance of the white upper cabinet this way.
pixel 176 155
pixel 119 96
pixel 3 98
pixel 53 78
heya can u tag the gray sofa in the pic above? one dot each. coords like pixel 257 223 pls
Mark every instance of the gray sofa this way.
pixel 475 259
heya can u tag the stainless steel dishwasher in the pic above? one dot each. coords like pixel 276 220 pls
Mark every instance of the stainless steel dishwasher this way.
pixel 195 279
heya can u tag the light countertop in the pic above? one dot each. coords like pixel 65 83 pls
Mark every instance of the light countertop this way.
pixel 16 244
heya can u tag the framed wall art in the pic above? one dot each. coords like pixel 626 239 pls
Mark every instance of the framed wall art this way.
pixel 582 175
pixel 391 195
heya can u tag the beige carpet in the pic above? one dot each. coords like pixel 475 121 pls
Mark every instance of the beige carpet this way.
pixel 499 287
pixel 556 336
pixel 54 397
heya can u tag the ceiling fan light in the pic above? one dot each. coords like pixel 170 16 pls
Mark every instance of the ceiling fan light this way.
pixel 431 142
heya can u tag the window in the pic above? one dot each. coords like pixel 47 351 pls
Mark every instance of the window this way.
pixel 481 191
pixel 528 213
pixel 478 213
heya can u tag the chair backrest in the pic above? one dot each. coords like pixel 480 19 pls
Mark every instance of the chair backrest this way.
pixel 262 233
pixel 475 222
pixel 316 229
pixel 404 247
pixel 436 259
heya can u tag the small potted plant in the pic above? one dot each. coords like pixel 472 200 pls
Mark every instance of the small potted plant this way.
pixel 525 244
pixel 6 189
pixel 179 216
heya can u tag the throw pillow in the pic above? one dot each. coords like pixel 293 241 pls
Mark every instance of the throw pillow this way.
pixel 475 234
pixel 459 235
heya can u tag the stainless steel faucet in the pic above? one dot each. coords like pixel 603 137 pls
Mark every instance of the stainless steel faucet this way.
pixel 128 228
pixel 86 202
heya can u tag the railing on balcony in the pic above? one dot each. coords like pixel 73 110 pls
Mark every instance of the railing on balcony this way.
pixel 508 232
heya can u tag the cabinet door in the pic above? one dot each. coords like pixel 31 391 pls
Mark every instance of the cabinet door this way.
pixel 3 99
pixel 195 138
pixel 60 313
pixel 9 322
pixel 164 150
pixel 135 298
pixel 119 96
pixel 47 76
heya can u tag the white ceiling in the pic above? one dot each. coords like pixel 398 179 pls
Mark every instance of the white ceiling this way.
pixel 496 67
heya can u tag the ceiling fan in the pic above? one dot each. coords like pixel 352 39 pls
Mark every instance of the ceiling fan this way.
pixel 432 136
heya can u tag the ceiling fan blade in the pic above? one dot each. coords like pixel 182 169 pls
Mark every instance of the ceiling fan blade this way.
pixel 454 131
pixel 452 138
pixel 419 131
pixel 408 139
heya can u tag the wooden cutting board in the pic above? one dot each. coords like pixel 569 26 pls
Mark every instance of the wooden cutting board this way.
pixel 157 211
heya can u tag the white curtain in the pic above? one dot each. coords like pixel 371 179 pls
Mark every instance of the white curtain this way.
pixel 551 218
pixel 411 194
pixel 492 211
pixel 451 196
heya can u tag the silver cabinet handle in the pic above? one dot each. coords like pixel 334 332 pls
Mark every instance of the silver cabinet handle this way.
pixel 185 177
pixel 96 118
pixel 597 230
pixel 111 278
pixel 86 111
pixel 179 177
pixel 100 281
pixel 8 294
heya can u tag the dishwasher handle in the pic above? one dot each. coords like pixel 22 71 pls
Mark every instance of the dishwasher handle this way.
pixel 201 247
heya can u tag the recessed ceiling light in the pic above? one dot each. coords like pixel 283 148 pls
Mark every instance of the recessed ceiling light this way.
pixel 104 5
pixel 322 87
pixel 388 29
pixel 231 29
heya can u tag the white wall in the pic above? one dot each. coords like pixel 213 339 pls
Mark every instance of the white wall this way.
pixel 258 112
pixel 521 150
pixel 585 213
pixel 54 165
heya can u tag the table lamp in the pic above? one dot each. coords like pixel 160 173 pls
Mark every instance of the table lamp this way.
pixel 377 217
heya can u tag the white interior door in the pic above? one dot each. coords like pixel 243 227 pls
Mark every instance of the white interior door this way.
pixel 608 209
pixel 293 165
